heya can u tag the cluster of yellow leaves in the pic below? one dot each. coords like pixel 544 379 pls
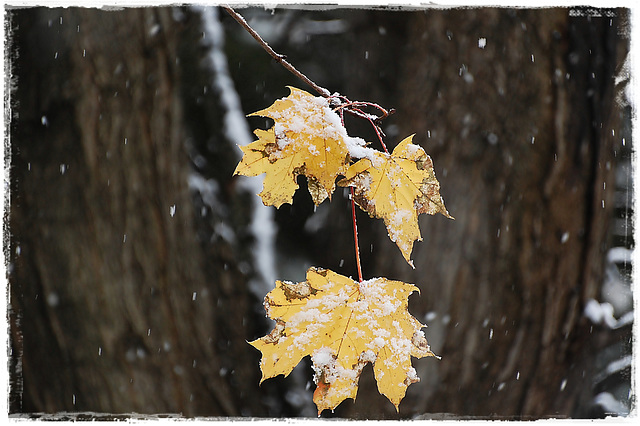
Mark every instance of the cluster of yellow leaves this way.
pixel 309 139
pixel 342 325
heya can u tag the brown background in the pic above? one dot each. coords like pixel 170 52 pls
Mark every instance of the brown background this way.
pixel 125 297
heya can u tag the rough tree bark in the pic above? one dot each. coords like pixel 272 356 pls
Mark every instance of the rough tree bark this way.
pixel 115 305
pixel 523 132
pixel 517 110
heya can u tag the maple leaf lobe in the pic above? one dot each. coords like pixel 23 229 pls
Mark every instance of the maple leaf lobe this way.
pixel 261 157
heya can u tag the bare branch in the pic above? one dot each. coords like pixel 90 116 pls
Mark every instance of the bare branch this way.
pixel 278 57
pixel 339 102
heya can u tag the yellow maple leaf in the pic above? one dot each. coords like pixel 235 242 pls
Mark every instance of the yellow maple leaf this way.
pixel 397 187
pixel 342 325
pixel 307 138
pixel 280 182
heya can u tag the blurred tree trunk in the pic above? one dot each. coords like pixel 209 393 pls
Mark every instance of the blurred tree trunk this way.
pixel 114 306
pixel 517 110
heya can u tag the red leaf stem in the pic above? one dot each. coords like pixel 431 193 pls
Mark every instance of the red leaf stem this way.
pixel 355 233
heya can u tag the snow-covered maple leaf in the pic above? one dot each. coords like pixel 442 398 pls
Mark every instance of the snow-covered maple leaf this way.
pixel 397 187
pixel 342 325
pixel 307 138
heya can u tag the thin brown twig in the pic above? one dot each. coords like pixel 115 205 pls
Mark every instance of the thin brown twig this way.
pixel 349 106
pixel 355 232
pixel 353 219
pixel 352 108
pixel 278 57
pixel 379 133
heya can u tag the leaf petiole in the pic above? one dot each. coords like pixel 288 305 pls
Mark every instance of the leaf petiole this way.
pixel 355 233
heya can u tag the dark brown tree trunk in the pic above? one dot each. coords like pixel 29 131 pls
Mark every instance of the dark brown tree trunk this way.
pixel 120 302
pixel 115 306
pixel 517 110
